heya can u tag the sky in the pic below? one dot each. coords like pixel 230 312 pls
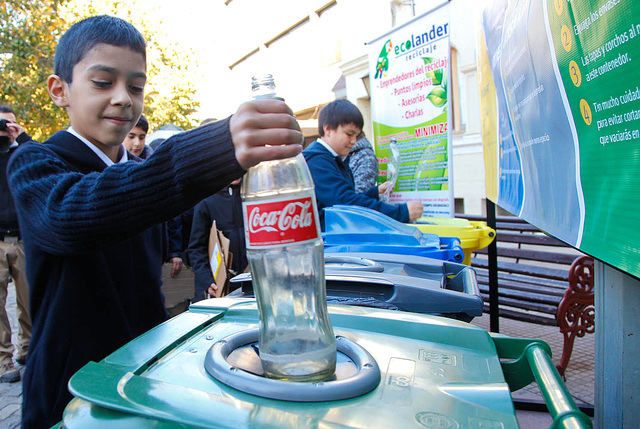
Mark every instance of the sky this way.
pixel 194 24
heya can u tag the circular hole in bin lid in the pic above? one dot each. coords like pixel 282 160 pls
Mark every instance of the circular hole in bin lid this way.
pixel 352 263
pixel 234 361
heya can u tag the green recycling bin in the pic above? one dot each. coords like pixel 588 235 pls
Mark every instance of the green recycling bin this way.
pixel 394 370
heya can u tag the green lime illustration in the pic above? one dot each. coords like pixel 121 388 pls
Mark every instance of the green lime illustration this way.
pixel 438 96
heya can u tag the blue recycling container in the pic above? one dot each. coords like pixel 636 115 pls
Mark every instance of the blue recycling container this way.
pixel 358 229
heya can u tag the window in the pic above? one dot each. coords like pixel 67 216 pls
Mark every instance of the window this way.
pixel 456 117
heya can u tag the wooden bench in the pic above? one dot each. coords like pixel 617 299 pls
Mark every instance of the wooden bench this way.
pixel 540 280
pixel 533 271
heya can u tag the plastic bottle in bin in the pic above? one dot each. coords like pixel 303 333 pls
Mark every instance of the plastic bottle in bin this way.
pixel 286 257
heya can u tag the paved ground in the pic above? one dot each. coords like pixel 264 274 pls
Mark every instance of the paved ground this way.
pixel 580 373
pixel 11 393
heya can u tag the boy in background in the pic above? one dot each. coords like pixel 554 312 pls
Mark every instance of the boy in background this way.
pixel 134 142
pixel 339 124
pixel 84 210
pixel 225 209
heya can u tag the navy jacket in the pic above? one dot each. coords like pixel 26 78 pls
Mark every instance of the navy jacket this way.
pixel 334 185
pixel 179 229
pixel 8 215
pixel 94 277
pixel 225 208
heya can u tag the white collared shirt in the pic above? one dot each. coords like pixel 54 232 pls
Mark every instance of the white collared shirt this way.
pixel 330 149
pixel 103 156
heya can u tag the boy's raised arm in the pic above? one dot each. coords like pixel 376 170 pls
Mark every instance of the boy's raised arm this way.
pixel 70 212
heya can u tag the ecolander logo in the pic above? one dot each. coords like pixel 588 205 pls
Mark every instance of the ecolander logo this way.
pixel 382 65
pixel 399 49
pixel 417 40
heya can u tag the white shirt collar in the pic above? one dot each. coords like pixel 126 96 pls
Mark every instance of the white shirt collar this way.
pixel 330 149
pixel 14 144
pixel 103 156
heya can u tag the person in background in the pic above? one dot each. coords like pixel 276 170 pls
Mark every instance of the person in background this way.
pixel 339 124
pixel 225 208
pixel 12 258
pixel 134 142
pixel 84 210
pixel 185 220
pixel 177 229
pixel 169 244
pixel 363 163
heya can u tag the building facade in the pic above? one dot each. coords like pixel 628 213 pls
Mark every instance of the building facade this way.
pixel 316 49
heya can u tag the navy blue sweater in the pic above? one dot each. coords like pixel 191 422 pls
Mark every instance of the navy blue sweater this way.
pixel 94 277
pixel 334 185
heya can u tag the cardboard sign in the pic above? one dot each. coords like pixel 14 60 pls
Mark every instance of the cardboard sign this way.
pixel 219 259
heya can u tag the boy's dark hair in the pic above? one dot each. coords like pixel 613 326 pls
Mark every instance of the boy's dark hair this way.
pixel 84 35
pixel 143 124
pixel 6 109
pixel 339 112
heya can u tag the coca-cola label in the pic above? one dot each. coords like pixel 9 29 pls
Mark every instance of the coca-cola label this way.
pixel 278 222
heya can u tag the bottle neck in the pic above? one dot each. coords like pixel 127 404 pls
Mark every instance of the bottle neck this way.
pixel 263 86
pixel 266 95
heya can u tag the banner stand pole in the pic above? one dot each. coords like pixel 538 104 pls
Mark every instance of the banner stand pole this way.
pixel 494 311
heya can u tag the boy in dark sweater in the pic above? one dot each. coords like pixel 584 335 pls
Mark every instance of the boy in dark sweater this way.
pixel 82 206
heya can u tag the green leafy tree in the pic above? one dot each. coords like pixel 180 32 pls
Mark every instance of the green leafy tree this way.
pixel 169 93
pixel 28 35
pixel 29 32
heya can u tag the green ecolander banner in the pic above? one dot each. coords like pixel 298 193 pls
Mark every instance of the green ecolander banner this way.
pixel 409 79
pixel 567 82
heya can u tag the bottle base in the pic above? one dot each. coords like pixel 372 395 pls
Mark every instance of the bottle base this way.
pixel 304 378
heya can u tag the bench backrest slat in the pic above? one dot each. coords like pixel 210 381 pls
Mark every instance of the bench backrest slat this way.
pixel 539 239
pixel 534 255
pixel 515 227
pixel 529 270
pixel 547 286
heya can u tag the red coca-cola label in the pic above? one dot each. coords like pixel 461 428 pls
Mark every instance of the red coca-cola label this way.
pixel 277 222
